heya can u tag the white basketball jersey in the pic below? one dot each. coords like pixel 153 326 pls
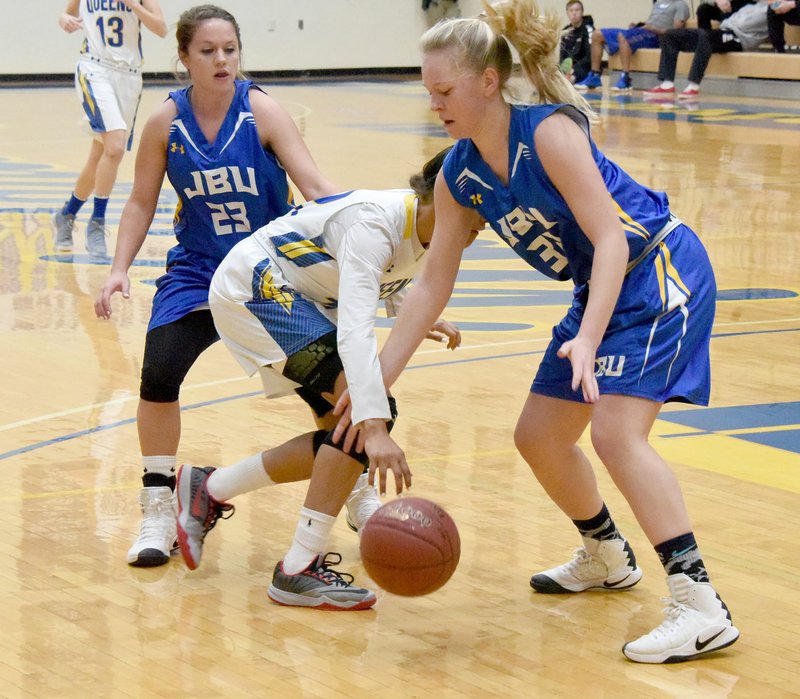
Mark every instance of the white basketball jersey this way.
pixel 113 33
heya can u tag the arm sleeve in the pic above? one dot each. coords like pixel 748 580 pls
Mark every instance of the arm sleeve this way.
pixel 368 247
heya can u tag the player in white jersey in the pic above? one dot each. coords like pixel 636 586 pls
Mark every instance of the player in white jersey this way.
pixel 297 301
pixel 108 79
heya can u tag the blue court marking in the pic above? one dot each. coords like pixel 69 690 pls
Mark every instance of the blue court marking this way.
pixel 737 417
pixel 240 396
pixel 723 420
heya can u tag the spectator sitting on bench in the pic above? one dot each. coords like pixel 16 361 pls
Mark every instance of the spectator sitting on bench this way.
pixel 744 30
pixel 780 13
pixel 666 14
pixel 576 42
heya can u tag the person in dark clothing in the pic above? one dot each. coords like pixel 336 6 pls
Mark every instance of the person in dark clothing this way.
pixel 717 11
pixel 576 44
pixel 744 30
pixel 779 14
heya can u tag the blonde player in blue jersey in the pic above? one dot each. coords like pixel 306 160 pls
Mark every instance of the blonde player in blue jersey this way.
pixel 108 79
pixel 297 302
pixel 224 144
pixel 636 336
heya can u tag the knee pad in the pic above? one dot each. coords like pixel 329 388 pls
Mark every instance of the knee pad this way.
pixel 170 351
pixel 158 384
pixel 361 457
pixel 318 439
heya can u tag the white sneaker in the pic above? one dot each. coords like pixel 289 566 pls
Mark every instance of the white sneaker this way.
pixel 361 503
pixel 158 534
pixel 597 565
pixel 697 622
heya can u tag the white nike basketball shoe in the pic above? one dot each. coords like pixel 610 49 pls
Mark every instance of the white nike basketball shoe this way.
pixel 696 622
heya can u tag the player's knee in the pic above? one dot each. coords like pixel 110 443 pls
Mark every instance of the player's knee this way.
pixel 318 439
pixel 158 384
pixel 352 452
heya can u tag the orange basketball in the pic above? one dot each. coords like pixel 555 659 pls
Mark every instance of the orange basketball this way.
pixel 410 547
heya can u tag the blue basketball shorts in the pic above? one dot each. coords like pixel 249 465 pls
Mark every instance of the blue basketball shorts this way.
pixel 637 38
pixel 656 345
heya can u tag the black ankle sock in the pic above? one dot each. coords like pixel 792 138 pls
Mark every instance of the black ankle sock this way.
pixel 158 480
pixel 600 527
pixel 681 555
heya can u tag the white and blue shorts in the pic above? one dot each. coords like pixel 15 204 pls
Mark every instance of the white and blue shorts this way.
pixel 656 345
pixel 110 96
pixel 260 317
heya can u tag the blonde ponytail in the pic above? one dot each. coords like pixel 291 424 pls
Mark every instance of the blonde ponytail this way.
pixel 537 39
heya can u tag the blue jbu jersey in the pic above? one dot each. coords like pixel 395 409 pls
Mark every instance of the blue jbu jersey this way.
pixel 531 216
pixel 226 189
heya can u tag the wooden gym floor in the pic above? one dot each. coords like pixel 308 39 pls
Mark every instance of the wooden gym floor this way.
pixel 79 622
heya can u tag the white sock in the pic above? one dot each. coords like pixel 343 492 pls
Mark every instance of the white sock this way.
pixel 667 84
pixel 692 86
pixel 310 540
pixel 164 465
pixel 244 476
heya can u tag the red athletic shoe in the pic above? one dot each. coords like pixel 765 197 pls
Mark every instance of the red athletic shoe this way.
pixel 690 93
pixel 659 91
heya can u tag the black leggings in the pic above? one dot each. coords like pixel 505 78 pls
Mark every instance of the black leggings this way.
pixel 703 43
pixel 775 26
pixel 170 351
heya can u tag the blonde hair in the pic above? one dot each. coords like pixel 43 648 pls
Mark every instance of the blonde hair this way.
pixel 483 42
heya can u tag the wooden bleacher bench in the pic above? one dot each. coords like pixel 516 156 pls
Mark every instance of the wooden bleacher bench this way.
pixel 747 64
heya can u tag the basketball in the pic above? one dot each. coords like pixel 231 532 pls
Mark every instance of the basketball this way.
pixel 410 547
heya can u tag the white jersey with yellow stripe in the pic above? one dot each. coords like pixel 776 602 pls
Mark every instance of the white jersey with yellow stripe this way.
pixel 346 253
pixel 113 35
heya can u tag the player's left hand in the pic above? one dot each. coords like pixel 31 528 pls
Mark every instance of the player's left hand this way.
pixel 581 354
pixel 445 331
pixel 384 456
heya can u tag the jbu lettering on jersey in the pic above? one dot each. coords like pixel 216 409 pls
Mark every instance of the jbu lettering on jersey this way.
pixel 222 180
pixel 531 229
pixel 611 365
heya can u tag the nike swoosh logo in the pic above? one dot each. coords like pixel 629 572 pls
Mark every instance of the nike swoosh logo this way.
pixel 699 645
pixel 616 584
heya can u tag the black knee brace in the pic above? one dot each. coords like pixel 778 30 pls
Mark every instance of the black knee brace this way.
pixel 170 351
pixel 359 456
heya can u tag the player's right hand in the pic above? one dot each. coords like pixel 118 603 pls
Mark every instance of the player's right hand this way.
pixel 117 281
pixel 69 23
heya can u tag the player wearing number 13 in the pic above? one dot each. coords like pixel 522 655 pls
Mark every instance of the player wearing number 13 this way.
pixel 109 82
pixel 224 144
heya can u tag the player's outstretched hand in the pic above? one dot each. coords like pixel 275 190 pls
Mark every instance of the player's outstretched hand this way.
pixel 445 331
pixel 384 456
pixel 117 281
pixel 581 355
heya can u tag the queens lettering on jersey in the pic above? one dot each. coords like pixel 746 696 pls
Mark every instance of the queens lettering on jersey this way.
pixel 226 189
pixel 531 216
pixel 113 33
pixel 346 252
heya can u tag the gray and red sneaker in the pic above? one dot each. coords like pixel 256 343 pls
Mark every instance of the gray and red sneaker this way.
pixel 198 512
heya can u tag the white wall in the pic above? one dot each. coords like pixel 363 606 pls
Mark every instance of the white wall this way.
pixel 335 34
